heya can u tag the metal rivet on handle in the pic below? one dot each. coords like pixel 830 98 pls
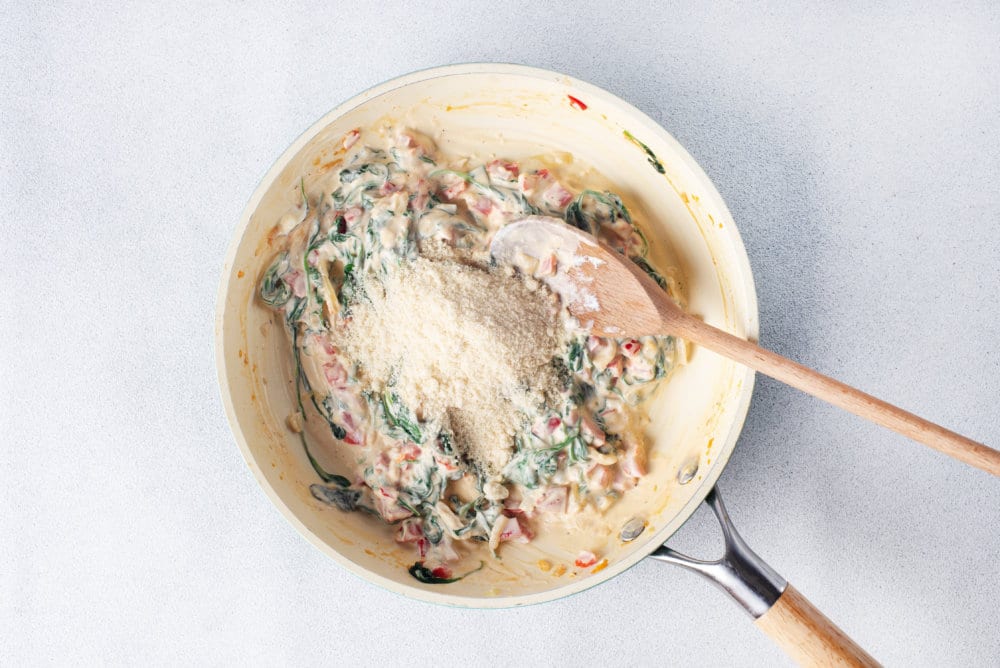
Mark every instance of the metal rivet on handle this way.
pixel 632 529
pixel 687 472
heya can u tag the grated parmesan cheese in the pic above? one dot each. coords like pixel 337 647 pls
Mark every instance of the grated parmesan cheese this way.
pixel 463 346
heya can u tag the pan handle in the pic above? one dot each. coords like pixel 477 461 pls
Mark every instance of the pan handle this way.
pixel 779 610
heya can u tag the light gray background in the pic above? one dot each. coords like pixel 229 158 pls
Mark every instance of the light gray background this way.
pixel 857 148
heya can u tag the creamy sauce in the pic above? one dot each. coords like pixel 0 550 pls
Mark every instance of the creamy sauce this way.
pixel 575 456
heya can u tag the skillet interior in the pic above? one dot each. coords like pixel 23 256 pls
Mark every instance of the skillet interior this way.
pixel 695 418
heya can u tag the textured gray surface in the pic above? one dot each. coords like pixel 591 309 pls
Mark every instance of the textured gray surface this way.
pixel 857 148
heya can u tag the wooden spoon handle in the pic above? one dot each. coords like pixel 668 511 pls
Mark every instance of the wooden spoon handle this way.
pixel 808 636
pixel 837 393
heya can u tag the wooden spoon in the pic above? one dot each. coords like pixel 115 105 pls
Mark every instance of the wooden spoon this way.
pixel 613 297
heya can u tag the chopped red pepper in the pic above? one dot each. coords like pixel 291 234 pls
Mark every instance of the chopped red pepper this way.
pixel 576 103
pixel 350 138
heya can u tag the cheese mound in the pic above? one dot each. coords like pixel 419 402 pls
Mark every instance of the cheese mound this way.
pixel 464 346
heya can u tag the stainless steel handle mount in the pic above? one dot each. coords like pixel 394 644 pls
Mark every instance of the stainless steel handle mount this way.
pixel 740 572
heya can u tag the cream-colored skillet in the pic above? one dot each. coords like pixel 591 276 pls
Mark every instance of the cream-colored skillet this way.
pixel 694 421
